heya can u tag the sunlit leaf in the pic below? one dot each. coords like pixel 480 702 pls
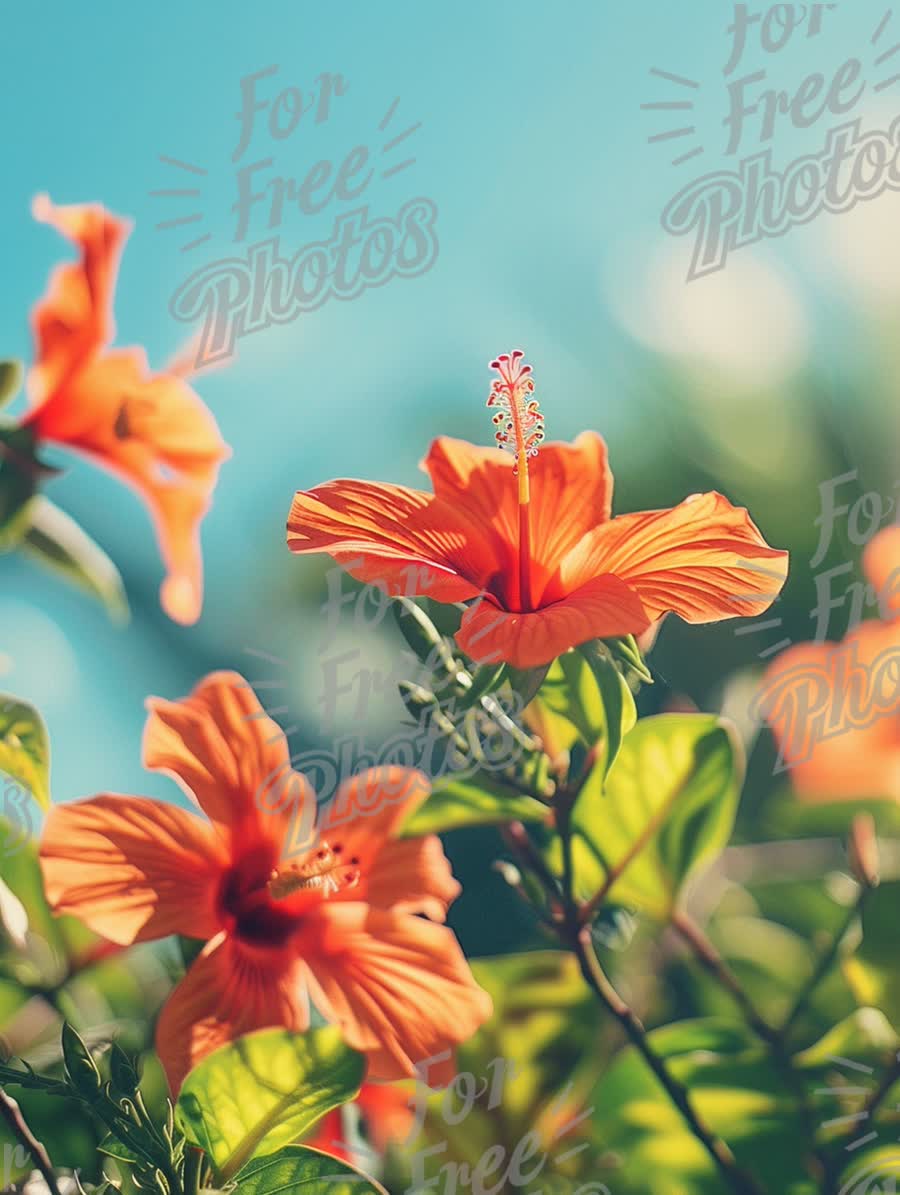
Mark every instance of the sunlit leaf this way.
pixel 582 692
pixel 618 710
pixel 54 538
pixel 669 803
pixel 529 1067
pixel 866 1036
pixel 259 1093
pixel 25 747
pixel 735 1088
pixel 471 801
pixel 872 1172
pixel 297 1168
pixel 13 916
pixel 10 380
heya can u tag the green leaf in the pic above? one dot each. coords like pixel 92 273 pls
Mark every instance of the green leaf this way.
pixel 264 1090
pixel 865 1036
pixel 80 1066
pixel 18 480
pixel 625 649
pixel 487 679
pixel 538 1053
pixel 10 380
pixel 668 803
pixel 584 696
pixel 617 701
pixel 299 1169
pixel 472 801
pixel 873 972
pixel 737 1091
pixel 54 538
pixel 874 1172
pixel 112 1147
pixel 25 747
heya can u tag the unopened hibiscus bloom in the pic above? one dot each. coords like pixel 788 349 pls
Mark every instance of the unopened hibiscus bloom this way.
pixel 150 429
pixel 336 922
pixel 527 529
pixel 834 708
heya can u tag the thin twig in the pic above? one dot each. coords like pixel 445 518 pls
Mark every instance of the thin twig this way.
pixel 12 1114
pixel 825 963
pixel 578 937
pixel 713 963
pixel 737 1180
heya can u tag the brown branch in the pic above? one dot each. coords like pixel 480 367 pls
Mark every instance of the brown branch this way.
pixel 12 1114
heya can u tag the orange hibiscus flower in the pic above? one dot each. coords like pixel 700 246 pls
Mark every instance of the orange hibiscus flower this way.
pixel 834 708
pixel 531 535
pixel 150 429
pixel 337 922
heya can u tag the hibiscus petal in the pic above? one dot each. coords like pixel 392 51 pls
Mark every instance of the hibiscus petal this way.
pixel 75 316
pixel 228 991
pixel 368 809
pixel 399 987
pixel 412 875
pixel 370 805
pixel 833 709
pixel 155 433
pixel 881 563
pixel 402 539
pixel 704 560
pixel 132 869
pixel 603 607
pixel 228 756
pixel 571 494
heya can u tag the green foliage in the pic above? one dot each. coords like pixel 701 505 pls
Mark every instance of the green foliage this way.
pixel 11 374
pixel 54 539
pixel 19 472
pixel 667 804
pixel 873 971
pixel 304 1170
pixel 25 747
pixel 265 1090
pixel 531 1066
pixel 586 695
pixel 736 1089
pixel 470 801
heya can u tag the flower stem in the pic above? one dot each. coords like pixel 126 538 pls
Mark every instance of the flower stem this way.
pixel 577 936
pixel 825 963
pixel 12 1114
pixel 713 963
pixel 736 1179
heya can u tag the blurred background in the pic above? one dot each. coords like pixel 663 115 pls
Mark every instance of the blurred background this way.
pixel 762 380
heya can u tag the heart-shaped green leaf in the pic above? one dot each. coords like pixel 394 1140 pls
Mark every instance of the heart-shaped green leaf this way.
pixel 24 747
pixel 264 1090
pixel 305 1170
pixel 668 802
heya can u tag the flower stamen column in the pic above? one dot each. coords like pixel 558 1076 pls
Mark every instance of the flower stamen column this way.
pixel 520 428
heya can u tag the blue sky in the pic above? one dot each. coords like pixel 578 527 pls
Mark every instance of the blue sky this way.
pixel 533 147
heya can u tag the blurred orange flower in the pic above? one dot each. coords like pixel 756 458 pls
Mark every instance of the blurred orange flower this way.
pixel 532 535
pixel 337 923
pixel 150 429
pixel 388 1116
pixel 834 708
